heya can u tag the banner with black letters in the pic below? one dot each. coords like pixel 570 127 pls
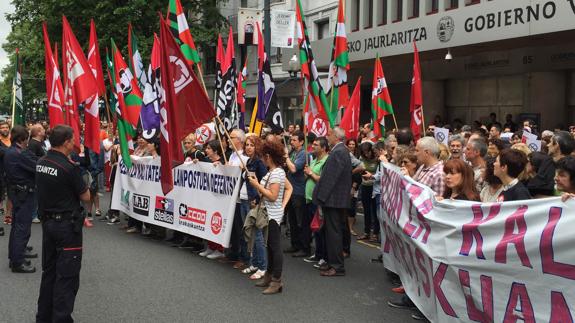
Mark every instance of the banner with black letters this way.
pixel 202 202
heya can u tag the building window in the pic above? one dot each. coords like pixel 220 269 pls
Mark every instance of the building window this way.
pixel 431 6
pixel 397 10
pixel 382 13
pixel 367 14
pixel 451 4
pixel 210 60
pixel 355 15
pixel 322 29
pixel 471 2
pixel 413 8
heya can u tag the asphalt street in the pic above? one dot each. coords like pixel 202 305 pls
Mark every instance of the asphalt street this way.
pixel 129 278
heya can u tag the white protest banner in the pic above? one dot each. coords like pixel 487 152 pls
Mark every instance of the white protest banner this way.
pixel 463 261
pixel 202 202
pixel 441 135
pixel 282 28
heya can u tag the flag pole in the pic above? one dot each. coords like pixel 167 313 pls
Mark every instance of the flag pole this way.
pixel 107 107
pixel 423 121
pixel 13 102
pixel 220 140
pixel 331 100
pixel 395 122
pixel 229 139
pixel 305 129
pixel 201 77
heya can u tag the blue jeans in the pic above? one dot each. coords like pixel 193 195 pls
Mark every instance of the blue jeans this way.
pixel 259 254
pixel 370 216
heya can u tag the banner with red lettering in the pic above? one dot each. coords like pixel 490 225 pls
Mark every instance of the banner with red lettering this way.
pixel 202 202
pixel 462 261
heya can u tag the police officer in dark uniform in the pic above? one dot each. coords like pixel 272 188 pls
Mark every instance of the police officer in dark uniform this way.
pixel 60 189
pixel 20 166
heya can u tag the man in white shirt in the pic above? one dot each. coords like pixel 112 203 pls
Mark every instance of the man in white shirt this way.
pixel 238 249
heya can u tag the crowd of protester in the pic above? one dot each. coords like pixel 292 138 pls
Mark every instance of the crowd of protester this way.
pixel 314 188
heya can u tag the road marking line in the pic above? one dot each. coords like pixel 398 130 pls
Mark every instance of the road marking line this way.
pixel 368 244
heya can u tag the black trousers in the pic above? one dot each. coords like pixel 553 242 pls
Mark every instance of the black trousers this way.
pixel 306 234
pixel 275 255
pixel 295 211
pixel 22 208
pixel 335 221
pixel 61 263
pixel 369 211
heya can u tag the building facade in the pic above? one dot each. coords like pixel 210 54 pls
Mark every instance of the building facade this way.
pixel 507 56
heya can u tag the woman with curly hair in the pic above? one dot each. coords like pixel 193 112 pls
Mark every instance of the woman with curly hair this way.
pixel 271 188
pixel 494 187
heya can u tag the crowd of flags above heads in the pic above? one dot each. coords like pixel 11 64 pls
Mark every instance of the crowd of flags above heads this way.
pixel 144 98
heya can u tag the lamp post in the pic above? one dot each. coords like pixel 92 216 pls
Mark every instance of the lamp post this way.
pixel 293 66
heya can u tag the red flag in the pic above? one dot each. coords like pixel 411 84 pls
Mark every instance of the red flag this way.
pixel 220 50
pixel 79 82
pixel 416 103
pixel 92 108
pixel 54 89
pixel 186 105
pixel 56 55
pixel 94 59
pixel 350 120
pixel 230 52
pixel 76 66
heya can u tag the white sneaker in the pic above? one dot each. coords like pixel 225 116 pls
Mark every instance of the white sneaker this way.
pixel 258 275
pixel 35 220
pixel 249 270
pixel 206 252
pixel 215 255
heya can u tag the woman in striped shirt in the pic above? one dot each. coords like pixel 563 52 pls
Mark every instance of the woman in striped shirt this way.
pixel 273 188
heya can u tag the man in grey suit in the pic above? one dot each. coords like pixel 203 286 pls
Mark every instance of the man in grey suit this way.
pixel 332 194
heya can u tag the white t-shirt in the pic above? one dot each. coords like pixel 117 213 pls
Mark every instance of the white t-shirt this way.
pixel 235 161
pixel 275 209
pixel 107 149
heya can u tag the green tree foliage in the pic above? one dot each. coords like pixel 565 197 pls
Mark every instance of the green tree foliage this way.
pixel 111 18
